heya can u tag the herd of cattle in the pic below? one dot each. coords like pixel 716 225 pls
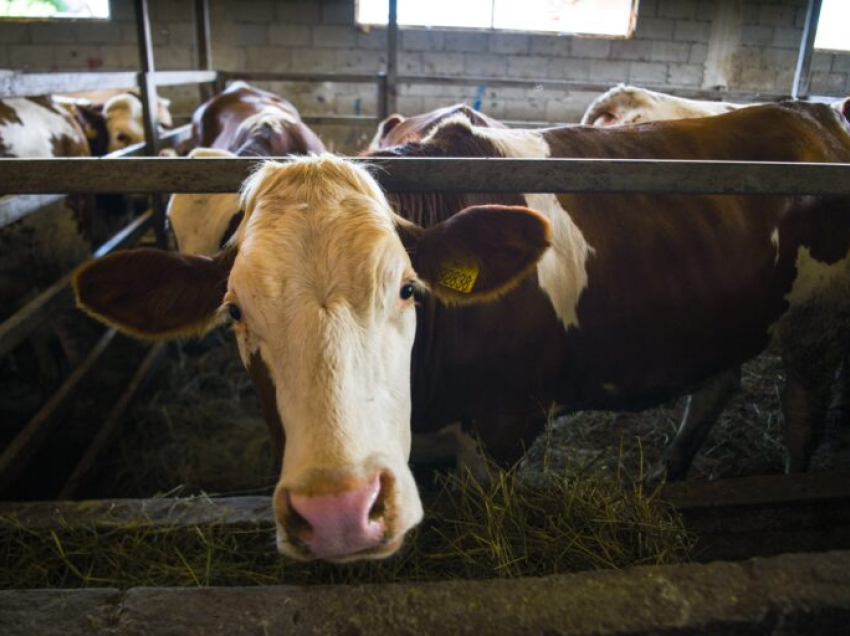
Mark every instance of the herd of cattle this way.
pixel 371 323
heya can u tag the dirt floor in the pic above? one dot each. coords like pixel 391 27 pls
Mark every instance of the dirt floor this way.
pixel 199 429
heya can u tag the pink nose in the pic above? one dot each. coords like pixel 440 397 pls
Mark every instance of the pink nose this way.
pixel 341 525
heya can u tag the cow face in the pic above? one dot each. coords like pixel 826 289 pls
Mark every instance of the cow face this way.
pixel 124 122
pixel 320 285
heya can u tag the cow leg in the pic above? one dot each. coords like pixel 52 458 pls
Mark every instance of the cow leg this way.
pixel 804 406
pixel 701 411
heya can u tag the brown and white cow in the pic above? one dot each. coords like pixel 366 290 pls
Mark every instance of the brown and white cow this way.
pixel 524 301
pixel 397 129
pixel 242 121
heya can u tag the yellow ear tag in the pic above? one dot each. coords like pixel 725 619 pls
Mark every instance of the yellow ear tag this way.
pixel 91 133
pixel 458 276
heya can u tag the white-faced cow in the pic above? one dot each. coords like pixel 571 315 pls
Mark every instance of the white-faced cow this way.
pixel 242 121
pixel 524 301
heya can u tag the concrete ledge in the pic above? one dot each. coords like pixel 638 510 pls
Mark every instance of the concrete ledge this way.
pixel 790 594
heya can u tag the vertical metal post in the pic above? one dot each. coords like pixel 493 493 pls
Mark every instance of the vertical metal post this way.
pixel 803 75
pixel 383 107
pixel 147 88
pixel 202 43
pixel 391 94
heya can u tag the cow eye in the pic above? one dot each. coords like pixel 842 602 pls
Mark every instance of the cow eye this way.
pixel 234 311
pixel 123 138
pixel 406 291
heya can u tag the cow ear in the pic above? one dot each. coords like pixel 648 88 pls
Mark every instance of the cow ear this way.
pixel 389 123
pixel 154 294
pixel 481 252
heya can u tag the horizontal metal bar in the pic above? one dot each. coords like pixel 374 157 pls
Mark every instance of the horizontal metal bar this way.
pixel 440 175
pixel 28 84
pixel 166 140
pixel 17 207
pixel 111 423
pixel 20 324
pixel 20 450
pixel 595 87
pixel 180 78
pixel 271 76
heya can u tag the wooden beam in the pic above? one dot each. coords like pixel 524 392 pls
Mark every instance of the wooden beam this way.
pixel 39 176
pixel 30 84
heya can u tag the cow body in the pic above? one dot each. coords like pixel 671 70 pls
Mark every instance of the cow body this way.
pixel 533 300
pixel 396 130
pixel 242 121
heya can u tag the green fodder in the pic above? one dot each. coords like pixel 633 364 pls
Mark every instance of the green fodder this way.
pixel 510 527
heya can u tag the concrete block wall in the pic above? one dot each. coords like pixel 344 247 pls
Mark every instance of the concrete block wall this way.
pixel 672 46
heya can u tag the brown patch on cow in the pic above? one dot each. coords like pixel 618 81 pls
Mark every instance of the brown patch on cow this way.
pixel 153 294
pixel 8 115
pixel 498 245
pixel 232 226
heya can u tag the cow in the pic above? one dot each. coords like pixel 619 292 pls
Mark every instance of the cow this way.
pixel 631 105
pixel 397 129
pixel 363 317
pixel 116 123
pixel 242 121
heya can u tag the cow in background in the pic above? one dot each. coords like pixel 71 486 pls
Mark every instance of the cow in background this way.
pixel 242 121
pixel 397 129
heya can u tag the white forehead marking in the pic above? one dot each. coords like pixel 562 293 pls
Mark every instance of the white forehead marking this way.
pixel 33 137
pixel 774 240
pixel 562 272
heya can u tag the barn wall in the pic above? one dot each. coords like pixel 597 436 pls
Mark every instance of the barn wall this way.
pixel 675 45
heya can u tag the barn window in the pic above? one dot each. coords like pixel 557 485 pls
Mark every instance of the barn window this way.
pixel 78 9
pixel 611 18
pixel 832 26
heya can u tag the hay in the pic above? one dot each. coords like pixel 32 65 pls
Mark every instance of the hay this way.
pixel 508 528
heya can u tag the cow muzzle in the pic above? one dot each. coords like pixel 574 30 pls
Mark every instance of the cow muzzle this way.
pixel 338 520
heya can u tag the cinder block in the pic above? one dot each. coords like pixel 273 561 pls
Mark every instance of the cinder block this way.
pixel 94 32
pixel 335 37
pixel 170 11
pixel 593 48
pixel 482 64
pixel 829 84
pixel 648 9
pixel 707 10
pixel 409 105
pixel 299 12
pixel 509 43
pixel 122 57
pixel 360 61
pixel 637 50
pixel 787 37
pixel 670 52
pixel 564 111
pixel 754 78
pixel 250 34
pixel 654 29
pixel 465 42
pixel 572 69
pixel 181 33
pixel 778 16
pixel 528 66
pixel 685 74
pixel 52 33
pixel 840 61
pixel 409 63
pixel 822 61
pixel 421 40
pixel 443 63
pixel 31 57
pixel 650 72
pixel 267 58
pixel 319 60
pixel 289 35
pixel 699 54
pixel 680 9
pixel 550 45
pixel 757 34
pixel 14 32
pixel 776 59
pixel 175 57
pixel 128 33
pixel 337 12
pixel 256 11
pixel 77 56
pixel 689 31
pixel 609 71
pixel 230 58
pixel 372 39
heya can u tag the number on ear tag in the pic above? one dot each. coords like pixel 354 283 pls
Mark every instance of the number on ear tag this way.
pixel 458 276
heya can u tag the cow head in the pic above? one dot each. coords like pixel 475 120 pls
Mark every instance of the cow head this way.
pixel 204 223
pixel 124 119
pixel 320 284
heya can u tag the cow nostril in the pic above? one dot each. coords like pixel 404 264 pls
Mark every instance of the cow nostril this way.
pixel 379 507
pixel 296 525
